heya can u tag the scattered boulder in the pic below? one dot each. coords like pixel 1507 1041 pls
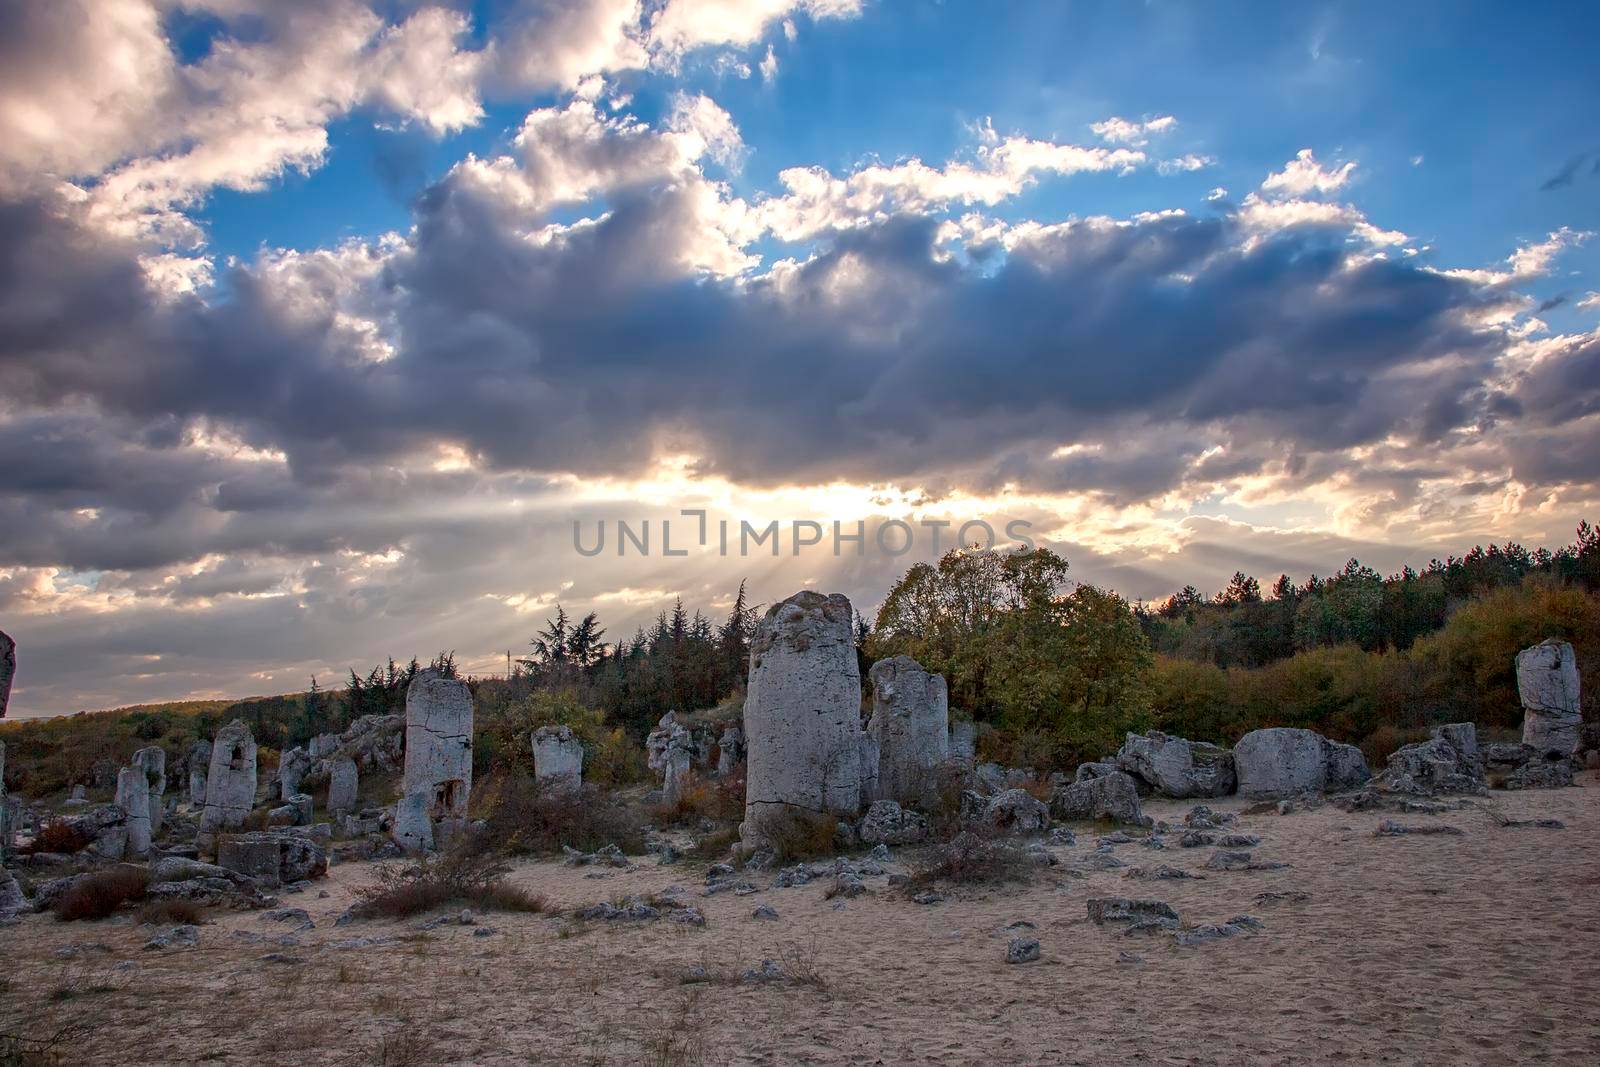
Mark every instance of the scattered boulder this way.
pixel 1540 773
pixel 1433 768
pixel 1281 761
pixel 1228 860
pixel 1390 828
pixel 1175 767
pixel 1114 796
pixel 1239 924
pixel 802 716
pixel 1547 682
pixel 272 858
pixel 1022 950
pixel 1016 811
pixel 1108 910
pixel 183 936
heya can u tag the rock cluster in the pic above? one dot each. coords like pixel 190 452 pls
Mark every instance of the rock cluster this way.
pixel 1175 767
pixel 1111 796
pixel 1282 761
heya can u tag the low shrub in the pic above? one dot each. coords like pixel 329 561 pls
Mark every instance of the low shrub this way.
pixel 720 799
pixel 460 876
pixel 525 820
pixel 796 835
pixel 60 836
pixel 968 859
pixel 97 895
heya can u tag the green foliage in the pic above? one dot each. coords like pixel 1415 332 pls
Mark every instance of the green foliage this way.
pixel 1018 652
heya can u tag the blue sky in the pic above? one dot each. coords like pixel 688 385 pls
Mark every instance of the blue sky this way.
pixel 322 320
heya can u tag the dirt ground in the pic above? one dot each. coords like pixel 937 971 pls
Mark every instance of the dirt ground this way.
pixel 1480 948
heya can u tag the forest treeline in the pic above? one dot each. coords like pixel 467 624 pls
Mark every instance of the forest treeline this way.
pixel 1053 671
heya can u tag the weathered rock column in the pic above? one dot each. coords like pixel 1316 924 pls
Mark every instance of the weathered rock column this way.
pixel 199 764
pixel 133 797
pixel 230 781
pixel 911 723
pixel 152 762
pixel 344 782
pixel 437 782
pixel 802 713
pixel 557 759
pixel 1547 682
pixel 292 766
pixel 5 807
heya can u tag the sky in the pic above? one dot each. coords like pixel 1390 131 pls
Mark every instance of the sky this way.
pixel 334 330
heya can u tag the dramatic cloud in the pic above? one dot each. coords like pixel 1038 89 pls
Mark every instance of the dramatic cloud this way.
pixel 255 467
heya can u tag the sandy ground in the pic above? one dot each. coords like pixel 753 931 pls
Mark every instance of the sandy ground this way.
pixel 1480 948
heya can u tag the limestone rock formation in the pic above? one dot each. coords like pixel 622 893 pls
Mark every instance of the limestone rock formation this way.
pixel 557 759
pixel 343 783
pixel 672 749
pixel 5 807
pixel 152 762
pixel 1547 682
pixel 730 749
pixel 1433 768
pixel 802 712
pixel 1016 811
pixel 438 769
pixel 230 780
pixel 1282 761
pixel 133 797
pixel 1112 796
pixel 911 724
pixel 1175 767
pixel 273 857
pixel 887 823
pixel 8 669
pixel 964 742
pixel 292 767
pixel 199 766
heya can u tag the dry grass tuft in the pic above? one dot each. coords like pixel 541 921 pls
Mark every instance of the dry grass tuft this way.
pixel 796 835
pixel 60 836
pixel 165 912
pixel 528 821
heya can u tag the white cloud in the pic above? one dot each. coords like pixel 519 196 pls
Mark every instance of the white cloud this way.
pixel 1218 193
pixel 769 65
pixel 1533 260
pixel 1303 175
pixel 1123 131
pixel 684 25
pixel 1185 163
pixel 1589 302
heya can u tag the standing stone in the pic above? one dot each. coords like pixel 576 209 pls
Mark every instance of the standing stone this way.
pixel 413 826
pixel 153 762
pixel 676 760
pixel 438 770
pixel 230 781
pixel 730 750
pixel 133 797
pixel 343 783
pixel 964 742
pixel 292 766
pixel 557 759
pixel 8 669
pixel 802 713
pixel 199 763
pixel 5 806
pixel 911 723
pixel 1547 682
pixel 870 756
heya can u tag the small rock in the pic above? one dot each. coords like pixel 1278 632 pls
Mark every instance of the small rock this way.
pixel 1022 950
pixel 765 912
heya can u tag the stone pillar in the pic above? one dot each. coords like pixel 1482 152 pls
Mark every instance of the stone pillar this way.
pixel 230 781
pixel 964 742
pixel 1547 682
pixel 557 759
pixel 8 669
pixel 911 722
pixel 438 770
pixel 870 758
pixel 133 797
pixel 292 766
pixel 153 762
pixel 5 807
pixel 802 713
pixel 199 764
pixel 343 783
pixel 730 750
